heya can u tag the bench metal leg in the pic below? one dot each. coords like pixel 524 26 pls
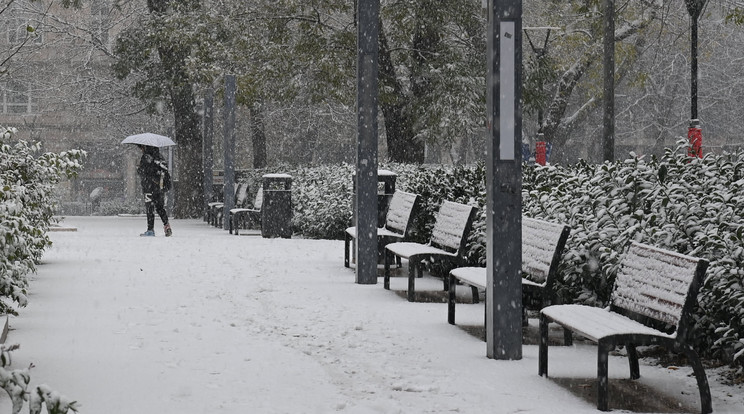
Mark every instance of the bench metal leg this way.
pixel 542 364
pixel 451 300
pixel 485 320
pixel 635 371
pixel 413 264
pixel 386 283
pixel 567 337
pixel 347 240
pixel 474 291
pixel 603 351
pixel 706 406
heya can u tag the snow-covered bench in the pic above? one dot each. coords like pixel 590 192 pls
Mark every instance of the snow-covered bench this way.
pixel 250 214
pixel 651 304
pixel 542 246
pixel 400 214
pixel 215 208
pixel 446 246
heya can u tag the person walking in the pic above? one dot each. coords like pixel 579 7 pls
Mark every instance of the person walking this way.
pixel 153 173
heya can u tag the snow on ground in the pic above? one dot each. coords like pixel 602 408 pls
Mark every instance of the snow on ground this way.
pixel 207 322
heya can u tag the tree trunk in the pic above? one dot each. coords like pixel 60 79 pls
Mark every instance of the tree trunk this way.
pixel 189 196
pixel 555 127
pixel 259 136
pixel 189 193
pixel 402 147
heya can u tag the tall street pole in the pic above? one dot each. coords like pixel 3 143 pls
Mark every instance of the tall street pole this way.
pixel 228 189
pixel 694 132
pixel 368 12
pixel 608 126
pixel 207 150
pixel 504 180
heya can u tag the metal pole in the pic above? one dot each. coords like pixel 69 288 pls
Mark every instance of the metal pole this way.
pixel 366 165
pixel 207 150
pixel 694 67
pixel 608 132
pixel 229 187
pixel 694 132
pixel 169 197
pixel 504 180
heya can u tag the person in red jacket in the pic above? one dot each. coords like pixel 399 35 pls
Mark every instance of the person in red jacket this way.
pixel 152 170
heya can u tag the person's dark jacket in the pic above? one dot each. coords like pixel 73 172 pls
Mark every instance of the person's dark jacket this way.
pixel 151 169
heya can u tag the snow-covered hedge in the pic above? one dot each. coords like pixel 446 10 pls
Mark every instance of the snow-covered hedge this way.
pixel 27 180
pixel 16 384
pixel 693 206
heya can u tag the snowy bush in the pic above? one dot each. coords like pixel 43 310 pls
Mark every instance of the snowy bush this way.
pixel 692 206
pixel 15 383
pixel 27 180
pixel 322 201
pixel 26 210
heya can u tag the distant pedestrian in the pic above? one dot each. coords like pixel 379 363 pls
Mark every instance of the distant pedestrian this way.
pixel 155 179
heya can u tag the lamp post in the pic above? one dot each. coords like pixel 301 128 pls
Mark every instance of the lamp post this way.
pixel 504 180
pixel 694 132
pixel 608 124
pixel 368 12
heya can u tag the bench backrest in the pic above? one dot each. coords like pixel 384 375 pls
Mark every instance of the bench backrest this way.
pixel 241 194
pixel 542 246
pixel 400 212
pixel 258 202
pixel 453 223
pixel 658 287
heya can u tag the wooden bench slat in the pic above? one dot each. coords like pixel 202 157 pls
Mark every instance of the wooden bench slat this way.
pixel 450 225
pixel 596 323
pixel 400 211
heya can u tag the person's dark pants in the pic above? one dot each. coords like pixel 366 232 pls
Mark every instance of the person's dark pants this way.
pixel 155 202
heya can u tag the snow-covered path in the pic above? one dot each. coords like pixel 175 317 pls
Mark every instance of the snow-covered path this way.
pixel 206 322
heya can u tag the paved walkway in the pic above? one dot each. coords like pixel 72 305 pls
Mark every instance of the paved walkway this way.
pixel 206 322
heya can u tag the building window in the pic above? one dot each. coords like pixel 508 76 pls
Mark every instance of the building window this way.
pixel 17 99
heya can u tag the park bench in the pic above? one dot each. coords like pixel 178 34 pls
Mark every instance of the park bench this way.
pixel 542 246
pixel 212 207
pixel 651 304
pixel 215 209
pixel 400 214
pixel 446 246
pixel 250 214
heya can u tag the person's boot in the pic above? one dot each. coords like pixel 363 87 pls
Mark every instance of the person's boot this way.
pixel 148 233
pixel 168 231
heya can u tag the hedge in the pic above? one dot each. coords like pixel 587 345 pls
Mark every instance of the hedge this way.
pixel 689 205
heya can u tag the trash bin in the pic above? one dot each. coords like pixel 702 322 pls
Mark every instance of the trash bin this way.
pixel 276 210
pixel 385 189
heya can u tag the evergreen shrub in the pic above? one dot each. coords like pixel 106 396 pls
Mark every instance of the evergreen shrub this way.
pixel 689 205
pixel 27 206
